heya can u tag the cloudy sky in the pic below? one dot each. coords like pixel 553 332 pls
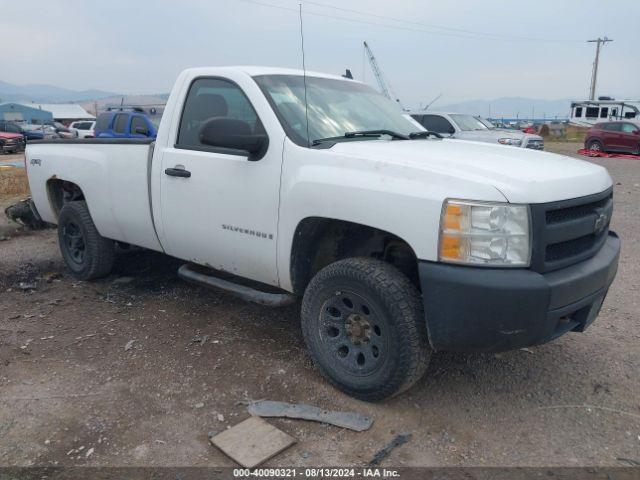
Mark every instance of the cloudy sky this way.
pixel 461 48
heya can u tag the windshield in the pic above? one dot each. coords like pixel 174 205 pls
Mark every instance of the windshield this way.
pixel 468 122
pixel 335 107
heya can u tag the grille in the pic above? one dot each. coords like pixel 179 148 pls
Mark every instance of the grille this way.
pixel 535 144
pixel 570 248
pixel 569 231
pixel 572 213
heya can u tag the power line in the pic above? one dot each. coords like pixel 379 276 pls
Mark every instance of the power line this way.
pixel 492 36
pixel 398 27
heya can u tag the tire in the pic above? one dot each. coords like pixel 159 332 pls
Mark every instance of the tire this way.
pixel 87 254
pixel 595 146
pixel 363 323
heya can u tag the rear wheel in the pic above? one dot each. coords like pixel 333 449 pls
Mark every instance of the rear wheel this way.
pixel 87 254
pixel 595 146
pixel 363 323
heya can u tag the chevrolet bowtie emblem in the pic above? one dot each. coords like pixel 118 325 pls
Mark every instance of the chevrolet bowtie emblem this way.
pixel 600 223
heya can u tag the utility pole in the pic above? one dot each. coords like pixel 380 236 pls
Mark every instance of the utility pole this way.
pixel 594 74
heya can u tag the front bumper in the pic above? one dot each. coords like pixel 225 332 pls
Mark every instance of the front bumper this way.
pixel 10 148
pixel 471 309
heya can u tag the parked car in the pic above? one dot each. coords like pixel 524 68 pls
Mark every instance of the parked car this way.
pixel 11 142
pixel 39 132
pixel 398 244
pixel 12 127
pixel 614 137
pixel 29 131
pixel 124 124
pixel 83 128
pixel 468 127
pixel 61 130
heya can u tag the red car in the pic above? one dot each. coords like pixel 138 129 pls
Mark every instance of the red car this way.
pixel 11 142
pixel 614 137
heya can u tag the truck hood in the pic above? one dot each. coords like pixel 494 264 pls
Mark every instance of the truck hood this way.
pixel 494 135
pixel 521 175
pixel 8 135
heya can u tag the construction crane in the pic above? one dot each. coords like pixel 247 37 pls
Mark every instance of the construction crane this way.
pixel 385 88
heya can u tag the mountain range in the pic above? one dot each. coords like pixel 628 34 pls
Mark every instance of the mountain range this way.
pixel 506 107
pixel 509 107
pixel 46 93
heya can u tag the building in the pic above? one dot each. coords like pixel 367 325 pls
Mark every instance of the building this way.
pixel 43 112
pixel 24 113
pixel 66 112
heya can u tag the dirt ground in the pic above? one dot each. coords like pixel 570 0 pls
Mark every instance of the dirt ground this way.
pixel 71 393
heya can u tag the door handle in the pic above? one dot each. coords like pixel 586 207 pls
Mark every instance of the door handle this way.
pixel 177 172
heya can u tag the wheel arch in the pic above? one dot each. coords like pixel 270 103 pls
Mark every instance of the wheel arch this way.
pixel 320 241
pixel 61 191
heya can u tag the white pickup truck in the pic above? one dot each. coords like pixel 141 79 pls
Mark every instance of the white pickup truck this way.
pixel 273 185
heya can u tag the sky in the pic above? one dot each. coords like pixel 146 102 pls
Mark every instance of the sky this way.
pixel 461 49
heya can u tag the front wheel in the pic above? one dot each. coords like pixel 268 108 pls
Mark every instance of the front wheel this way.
pixel 595 146
pixel 87 254
pixel 363 323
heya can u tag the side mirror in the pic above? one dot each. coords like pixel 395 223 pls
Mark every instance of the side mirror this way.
pixel 234 134
pixel 451 130
pixel 142 131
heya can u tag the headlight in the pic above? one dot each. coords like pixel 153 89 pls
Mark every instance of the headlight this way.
pixel 482 233
pixel 510 141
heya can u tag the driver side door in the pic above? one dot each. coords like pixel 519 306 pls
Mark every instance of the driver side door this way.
pixel 218 208
pixel 630 138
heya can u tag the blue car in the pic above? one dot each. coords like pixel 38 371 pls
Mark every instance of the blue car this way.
pixel 125 124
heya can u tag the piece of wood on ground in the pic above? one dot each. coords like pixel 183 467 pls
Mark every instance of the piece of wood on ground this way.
pixel 252 441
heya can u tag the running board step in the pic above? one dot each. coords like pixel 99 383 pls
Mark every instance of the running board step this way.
pixel 194 274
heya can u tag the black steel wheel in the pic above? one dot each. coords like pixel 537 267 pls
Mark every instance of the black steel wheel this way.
pixel 87 254
pixel 355 332
pixel 363 323
pixel 74 243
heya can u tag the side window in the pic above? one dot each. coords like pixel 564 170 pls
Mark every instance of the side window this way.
pixel 612 127
pixel 630 115
pixel 604 112
pixel 629 128
pixel 438 124
pixel 578 112
pixel 210 98
pixel 102 122
pixel 138 122
pixel 418 118
pixel 120 124
pixel 592 112
pixel 614 112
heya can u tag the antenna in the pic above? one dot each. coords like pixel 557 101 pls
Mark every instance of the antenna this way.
pixel 304 77
pixel 432 102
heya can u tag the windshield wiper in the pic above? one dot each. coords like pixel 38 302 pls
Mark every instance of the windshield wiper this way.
pixel 377 133
pixel 361 134
pixel 424 134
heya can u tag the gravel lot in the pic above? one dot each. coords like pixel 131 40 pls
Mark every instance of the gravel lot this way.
pixel 71 394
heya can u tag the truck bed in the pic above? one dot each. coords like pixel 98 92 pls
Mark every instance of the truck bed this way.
pixel 114 175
